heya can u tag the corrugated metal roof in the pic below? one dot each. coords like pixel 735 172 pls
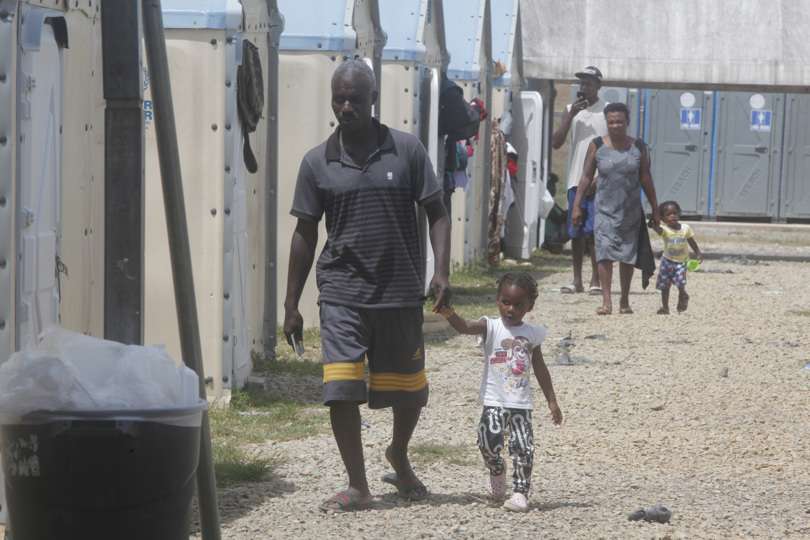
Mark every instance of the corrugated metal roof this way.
pixel 463 28
pixel 210 14
pixel 316 25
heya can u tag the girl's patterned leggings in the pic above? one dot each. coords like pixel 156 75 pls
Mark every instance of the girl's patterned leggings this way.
pixel 491 432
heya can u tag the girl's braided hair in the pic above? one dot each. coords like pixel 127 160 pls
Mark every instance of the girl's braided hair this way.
pixel 666 204
pixel 519 279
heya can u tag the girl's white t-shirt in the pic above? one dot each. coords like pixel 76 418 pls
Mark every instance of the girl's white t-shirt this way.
pixel 508 363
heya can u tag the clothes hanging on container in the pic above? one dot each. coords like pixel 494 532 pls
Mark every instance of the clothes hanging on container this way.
pixel 497 195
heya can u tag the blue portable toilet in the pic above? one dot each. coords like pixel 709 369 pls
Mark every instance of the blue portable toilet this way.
pixel 225 203
pixel 413 60
pixel 317 36
pixel 468 35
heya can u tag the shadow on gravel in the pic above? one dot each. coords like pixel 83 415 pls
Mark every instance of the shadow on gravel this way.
pixel 239 500
pixel 392 500
pixel 548 506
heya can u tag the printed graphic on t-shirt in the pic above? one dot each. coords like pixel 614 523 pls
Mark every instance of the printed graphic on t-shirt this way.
pixel 676 242
pixel 509 362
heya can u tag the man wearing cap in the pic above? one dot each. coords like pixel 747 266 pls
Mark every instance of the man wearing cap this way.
pixel 585 120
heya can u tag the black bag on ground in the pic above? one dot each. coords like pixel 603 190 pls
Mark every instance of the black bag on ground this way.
pixel 249 98
pixel 556 230
pixel 457 119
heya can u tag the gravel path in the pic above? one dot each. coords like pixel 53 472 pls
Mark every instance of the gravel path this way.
pixel 705 412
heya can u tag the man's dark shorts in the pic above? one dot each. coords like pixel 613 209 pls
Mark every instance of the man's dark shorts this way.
pixel 392 341
pixel 588 212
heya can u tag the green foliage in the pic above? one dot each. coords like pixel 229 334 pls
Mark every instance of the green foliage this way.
pixel 254 417
pixel 234 465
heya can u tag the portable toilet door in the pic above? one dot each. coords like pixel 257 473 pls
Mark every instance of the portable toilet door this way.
pixel 795 199
pixel 533 171
pixel 680 123
pixel 317 37
pixel 469 42
pixel 749 142
pixel 412 62
pixel 205 49
pixel 39 101
pixel 82 215
pixel 51 171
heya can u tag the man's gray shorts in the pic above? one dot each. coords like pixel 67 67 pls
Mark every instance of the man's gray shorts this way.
pixel 391 339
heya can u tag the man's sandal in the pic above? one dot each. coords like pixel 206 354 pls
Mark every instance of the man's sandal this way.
pixel 413 492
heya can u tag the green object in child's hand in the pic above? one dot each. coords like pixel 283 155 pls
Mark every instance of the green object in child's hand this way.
pixel 692 265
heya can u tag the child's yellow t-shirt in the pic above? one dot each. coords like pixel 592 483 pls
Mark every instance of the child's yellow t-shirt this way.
pixel 676 247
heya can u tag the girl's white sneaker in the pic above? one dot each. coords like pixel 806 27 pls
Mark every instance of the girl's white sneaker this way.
pixel 517 503
pixel 497 484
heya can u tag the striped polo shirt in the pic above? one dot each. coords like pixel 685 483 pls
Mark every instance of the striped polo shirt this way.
pixel 372 256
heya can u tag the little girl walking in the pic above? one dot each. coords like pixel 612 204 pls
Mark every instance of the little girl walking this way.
pixel 678 238
pixel 511 352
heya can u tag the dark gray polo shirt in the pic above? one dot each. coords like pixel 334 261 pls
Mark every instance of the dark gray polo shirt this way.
pixel 372 256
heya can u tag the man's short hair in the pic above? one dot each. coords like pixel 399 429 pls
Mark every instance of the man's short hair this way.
pixel 356 66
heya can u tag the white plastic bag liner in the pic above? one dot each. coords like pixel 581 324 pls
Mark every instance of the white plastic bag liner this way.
pixel 546 204
pixel 70 372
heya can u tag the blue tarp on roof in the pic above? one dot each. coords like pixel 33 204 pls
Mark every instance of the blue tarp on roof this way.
pixel 504 13
pixel 462 29
pixel 202 14
pixel 317 25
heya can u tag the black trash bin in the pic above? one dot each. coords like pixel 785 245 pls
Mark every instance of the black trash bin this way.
pixel 111 475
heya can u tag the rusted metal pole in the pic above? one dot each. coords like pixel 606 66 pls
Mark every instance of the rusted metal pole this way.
pixel 179 249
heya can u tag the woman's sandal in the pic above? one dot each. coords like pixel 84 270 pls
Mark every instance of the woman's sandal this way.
pixel 626 310
pixel 663 311
pixel 604 311
pixel 345 501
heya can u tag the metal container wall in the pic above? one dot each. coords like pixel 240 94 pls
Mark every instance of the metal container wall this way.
pixel 224 202
pixel 469 42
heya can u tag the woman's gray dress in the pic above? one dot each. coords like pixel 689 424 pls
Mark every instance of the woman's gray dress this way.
pixel 618 204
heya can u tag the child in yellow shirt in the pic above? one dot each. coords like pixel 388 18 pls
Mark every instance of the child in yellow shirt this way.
pixel 678 238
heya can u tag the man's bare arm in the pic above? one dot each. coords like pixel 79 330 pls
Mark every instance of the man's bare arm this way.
pixel 302 253
pixel 439 225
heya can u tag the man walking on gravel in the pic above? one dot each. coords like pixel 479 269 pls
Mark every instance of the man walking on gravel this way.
pixel 365 178
pixel 585 120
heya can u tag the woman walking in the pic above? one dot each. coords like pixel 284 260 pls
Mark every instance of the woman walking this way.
pixel 623 163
